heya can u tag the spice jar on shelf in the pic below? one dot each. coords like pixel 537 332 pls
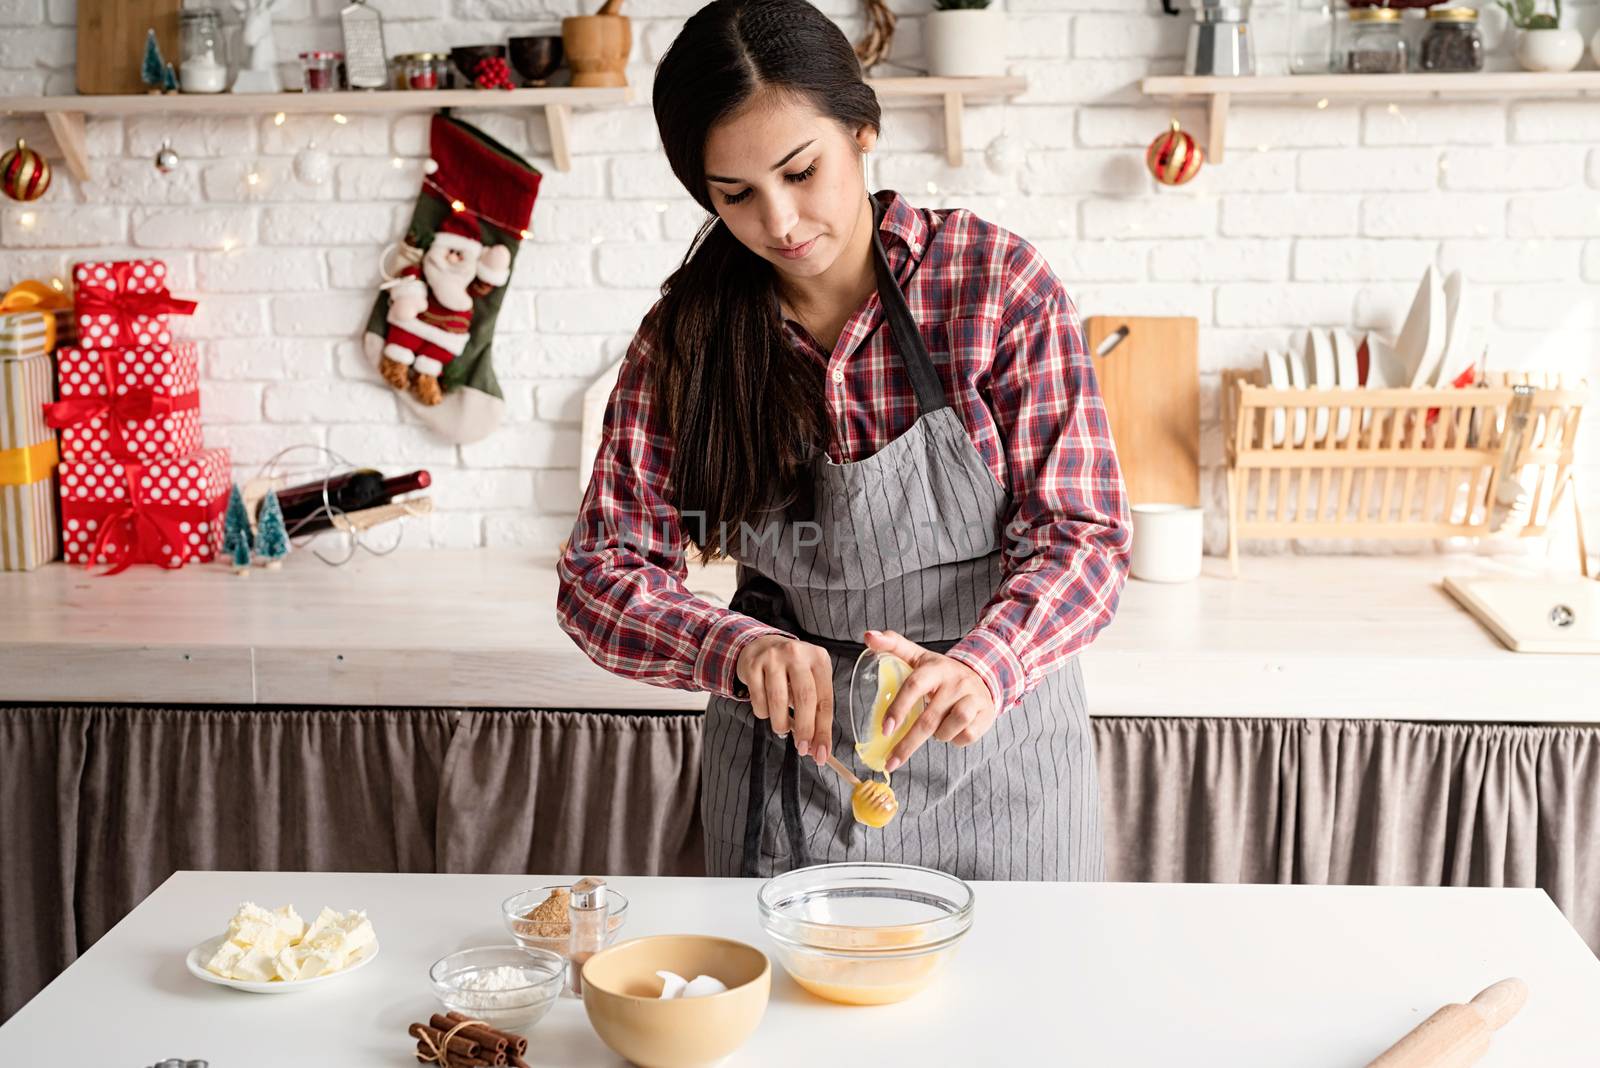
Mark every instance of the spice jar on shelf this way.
pixel 321 70
pixel 421 70
pixel 1376 44
pixel 204 65
pixel 1451 43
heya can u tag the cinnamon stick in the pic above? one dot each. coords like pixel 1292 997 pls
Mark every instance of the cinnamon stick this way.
pixel 458 1043
pixel 454 1060
pixel 492 1040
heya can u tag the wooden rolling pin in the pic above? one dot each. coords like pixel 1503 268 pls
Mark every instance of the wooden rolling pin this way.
pixel 1457 1035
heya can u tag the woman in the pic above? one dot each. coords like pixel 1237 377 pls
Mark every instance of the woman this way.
pixel 887 416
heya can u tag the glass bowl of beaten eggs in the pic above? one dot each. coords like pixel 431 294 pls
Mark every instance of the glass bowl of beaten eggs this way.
pixel 865 934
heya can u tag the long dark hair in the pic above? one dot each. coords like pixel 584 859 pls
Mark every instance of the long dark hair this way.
pixel 743 405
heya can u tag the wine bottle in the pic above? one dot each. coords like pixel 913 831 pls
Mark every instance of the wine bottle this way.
pixel 310 508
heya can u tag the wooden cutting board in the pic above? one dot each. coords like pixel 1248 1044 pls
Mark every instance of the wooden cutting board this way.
pixel 111 37
pixel 1150 381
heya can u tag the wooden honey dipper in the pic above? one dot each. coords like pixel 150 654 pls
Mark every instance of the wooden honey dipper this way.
pixel 873 803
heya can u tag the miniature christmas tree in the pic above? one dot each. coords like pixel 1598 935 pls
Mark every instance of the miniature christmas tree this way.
pixel 272 538
pixel 236 533
pixel 169 80
pixel 154 71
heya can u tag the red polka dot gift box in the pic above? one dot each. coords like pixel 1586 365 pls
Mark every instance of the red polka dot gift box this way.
pixel 165 512
pixel 124 304
pixel 127 404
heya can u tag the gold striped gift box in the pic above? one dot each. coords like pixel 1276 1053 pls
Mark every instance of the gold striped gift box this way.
pixel 29 533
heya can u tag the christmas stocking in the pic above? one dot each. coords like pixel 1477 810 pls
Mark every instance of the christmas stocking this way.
pixel 430 334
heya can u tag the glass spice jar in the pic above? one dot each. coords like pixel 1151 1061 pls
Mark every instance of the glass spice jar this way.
pixel 1452 43
pixel 321 71
pixel 1376 44
pixel 420 70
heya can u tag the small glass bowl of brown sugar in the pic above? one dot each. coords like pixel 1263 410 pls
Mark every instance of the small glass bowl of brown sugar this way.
pixel 538 917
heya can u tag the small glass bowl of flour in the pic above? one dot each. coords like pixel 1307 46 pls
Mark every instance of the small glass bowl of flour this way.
pixel 509 987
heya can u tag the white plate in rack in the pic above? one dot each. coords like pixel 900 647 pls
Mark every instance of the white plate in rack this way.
pixel 197 957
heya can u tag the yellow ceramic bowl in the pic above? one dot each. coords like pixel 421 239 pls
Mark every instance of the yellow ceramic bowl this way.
pixel 621 993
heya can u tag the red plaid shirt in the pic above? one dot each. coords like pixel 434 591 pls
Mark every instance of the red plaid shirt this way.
pixel 1029 400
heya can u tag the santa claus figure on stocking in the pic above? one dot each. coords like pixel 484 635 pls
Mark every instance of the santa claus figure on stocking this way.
pixel 430 305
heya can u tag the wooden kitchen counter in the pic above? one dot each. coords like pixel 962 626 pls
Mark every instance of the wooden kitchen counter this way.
pixel 1301 637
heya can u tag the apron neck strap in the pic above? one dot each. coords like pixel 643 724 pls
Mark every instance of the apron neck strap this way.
pixel 908 343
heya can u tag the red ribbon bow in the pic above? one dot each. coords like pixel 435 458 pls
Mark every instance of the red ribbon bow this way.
pixel 147 532
pixel 134 406
pixel 112 297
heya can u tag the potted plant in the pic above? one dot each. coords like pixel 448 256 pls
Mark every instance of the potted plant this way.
pixel 1542 45
pixel 966 39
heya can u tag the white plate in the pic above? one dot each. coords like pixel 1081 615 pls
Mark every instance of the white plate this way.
pixel 1384 369
pixel 1320 368
pixel 1277 366
pixel 1421 341
pixel 196 963
pixel 1458 331
pixel 1347 374
pixel 1297 380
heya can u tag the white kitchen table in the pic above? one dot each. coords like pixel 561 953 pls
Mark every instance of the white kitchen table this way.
pixel 1086 974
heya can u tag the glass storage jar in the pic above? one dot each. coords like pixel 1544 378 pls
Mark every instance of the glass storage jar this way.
pixel 421 70
pixel 1451 44
pixel 321 70
pixel 203 67
pixel 1376 43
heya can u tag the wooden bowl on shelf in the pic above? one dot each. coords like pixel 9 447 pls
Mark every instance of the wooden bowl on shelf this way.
pixel 597 48
pixel 536 58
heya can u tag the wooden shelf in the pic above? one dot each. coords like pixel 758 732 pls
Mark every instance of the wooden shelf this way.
pixel 66 114
pixel 953 92
pixel 1219 92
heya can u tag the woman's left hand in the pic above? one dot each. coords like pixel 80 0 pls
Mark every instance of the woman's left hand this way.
pixel 960 708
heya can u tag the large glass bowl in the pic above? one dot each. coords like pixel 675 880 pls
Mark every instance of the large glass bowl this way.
pixel 865 934
pixel 516 1008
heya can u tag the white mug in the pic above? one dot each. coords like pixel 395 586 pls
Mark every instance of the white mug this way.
pixel 1168 540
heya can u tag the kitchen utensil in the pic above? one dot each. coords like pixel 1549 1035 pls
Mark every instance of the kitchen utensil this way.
pixel 1277 368
pixel 467 57
pixel 1386 369
pixel 1219 39
pixel 1534 614
pixel 1168 542
pixel 534 934
pixel 366 60
pixel 1459 349
pixel 515 1009
pixel 1511 499
pixel 1420 343
pixel 874 681
pixel 1457 1035
pixel 865 934
pixel 1320 374
pixel 536 58
pixel 1346 375
pixel 196 959
pixel 1150 384
pixel 621 994
pixel 872 803
pixel 1297 380
pixel 111 36
pixel 597 46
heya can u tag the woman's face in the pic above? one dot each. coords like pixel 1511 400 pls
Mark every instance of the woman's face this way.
pixel 787 182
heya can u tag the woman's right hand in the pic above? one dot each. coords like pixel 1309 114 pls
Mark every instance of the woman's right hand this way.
pixel 784 674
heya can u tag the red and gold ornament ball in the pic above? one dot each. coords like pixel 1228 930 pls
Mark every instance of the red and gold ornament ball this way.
pixel 1174 157
pixel 24 174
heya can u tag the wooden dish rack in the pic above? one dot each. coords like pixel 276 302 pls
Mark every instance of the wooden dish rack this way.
pixel 1398 463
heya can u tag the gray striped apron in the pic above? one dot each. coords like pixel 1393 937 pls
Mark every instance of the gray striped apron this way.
pixel 909 540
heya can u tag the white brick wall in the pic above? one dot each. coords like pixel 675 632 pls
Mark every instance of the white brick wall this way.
pixel 1319 216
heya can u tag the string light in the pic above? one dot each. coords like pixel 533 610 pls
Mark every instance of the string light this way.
pixel 277 120
pixel 933 187
pixel 228 244
pixel 1394 109
pixel 55 283
pixel 340 119
pixel 1322 105
pixel 457 205
pixel 27 220
pixel 526 234
pixel 253 178
pixel 398 163
pixel 661 209
pixel 460 207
